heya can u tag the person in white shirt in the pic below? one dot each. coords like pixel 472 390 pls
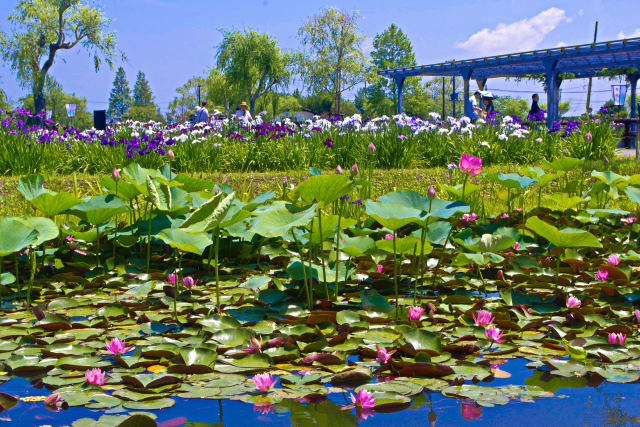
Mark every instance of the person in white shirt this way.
pixel 202 115
pixel 243 114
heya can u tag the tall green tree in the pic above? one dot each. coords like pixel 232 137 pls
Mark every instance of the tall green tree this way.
pixel 43 28
pixel 120 99
pixel 4 105
pixel 253 63
pixel 184 104
pixel 393 49
pixel 56 99
pixel 142 95
pixel 333 61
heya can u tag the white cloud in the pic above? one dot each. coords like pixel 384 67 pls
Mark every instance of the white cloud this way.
pixel 367 45
pixel 517 36
pixel 581 12
pixel 562 44
pixel 635 33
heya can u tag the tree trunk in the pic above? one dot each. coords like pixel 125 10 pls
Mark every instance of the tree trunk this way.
pixel 252 105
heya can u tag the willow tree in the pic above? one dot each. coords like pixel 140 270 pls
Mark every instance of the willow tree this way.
pixel 333 61
pixel 253 63
pixel 42 28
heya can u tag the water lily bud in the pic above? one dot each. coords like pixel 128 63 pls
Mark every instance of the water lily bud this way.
pixel 115 174
pixel 431 193
pixel 170 155
pixel 371 148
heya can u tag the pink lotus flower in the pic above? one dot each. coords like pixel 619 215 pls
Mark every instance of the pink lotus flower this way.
pixel 602 274
pixel 69 238
pixel 388 236
pixel 493 334
pixel 364 399
pixel 516 246
pixel 354 169
pixel 264 382
pixel 614 259
pixel 339 170
pixel 171 279
pixel 471 165
pixel 52 400
pixel 379 268
pixel 468 218
pixel 573 302
pixel 95 376
pixel 505 215
pixel 255 346
pixel 629 219
pixel 383 355
pixel 118 346
pixel 471 411
pixel 483 318
pixel 617 338
pixel 431 193
pixel 415 312
pixel 371 148
pixel 189 282
pixel 637 313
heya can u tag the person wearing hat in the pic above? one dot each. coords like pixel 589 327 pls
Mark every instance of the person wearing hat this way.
pixel 487 102
pixel 202 114
pixel 242 114
pixel 475 100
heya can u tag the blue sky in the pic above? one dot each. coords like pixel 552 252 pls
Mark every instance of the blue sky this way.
pixel 173 40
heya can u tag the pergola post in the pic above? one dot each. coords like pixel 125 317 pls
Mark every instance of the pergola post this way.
pixel 466 76
pixel 399 86
pixel 553 86
pixel 633 80
pixel 481 82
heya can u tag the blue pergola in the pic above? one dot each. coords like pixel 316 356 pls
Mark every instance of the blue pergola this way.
pixel 582 61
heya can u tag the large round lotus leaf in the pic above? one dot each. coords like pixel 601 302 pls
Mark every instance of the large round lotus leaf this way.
pixel 568 238
pixel 100 209
pixel 256 282
pixel 390 401
pixel 423 340
pixel 280 218
pixel 402 386
pixel 112 310
pixel 322 189
pixel 564 164
pixel 183 241
pixel 46 229
pixel 253 360
pixel 150 380
pixel 124 190
pixel 404 245
pixel 102 401
pixel 356 246
pixel 31 186
pixel 512 180
pixel 15 236
pixel 392 215
pixel 54 204
pixel 136 420
pixel 347 316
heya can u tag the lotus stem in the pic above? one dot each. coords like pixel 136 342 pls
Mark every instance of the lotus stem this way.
pixel 304 271
pixel 444 248
pixel 15 255
pixel 415 273
pixel 31 277
pixel 464 185
pixel 148 238
pixel 338 249
pixel 395 272
pixel 324 271
pixel 217 243
pixel 98 246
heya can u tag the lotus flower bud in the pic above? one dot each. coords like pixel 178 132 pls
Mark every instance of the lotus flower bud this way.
pixel 170 155
pixel 431 193
pixel 115 174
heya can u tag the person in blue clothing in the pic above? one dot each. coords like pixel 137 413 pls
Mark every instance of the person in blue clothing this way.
pixel 487 103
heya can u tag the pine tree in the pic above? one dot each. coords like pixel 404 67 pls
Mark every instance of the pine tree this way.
pixel 142 95
pixel 120 99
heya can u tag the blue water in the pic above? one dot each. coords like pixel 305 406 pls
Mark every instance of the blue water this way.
pixel 607 404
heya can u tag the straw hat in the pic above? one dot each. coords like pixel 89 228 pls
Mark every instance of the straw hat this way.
pixel 243 104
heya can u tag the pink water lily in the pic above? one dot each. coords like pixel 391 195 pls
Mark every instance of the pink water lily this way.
pixel 469 218
pixel 118 346
pixel 255 346
pixel 415 312
pixel 516 246
pixel 379 268
pixel 494 334
pixel 602 274
pixel 637 313
pixel 95 376
pixel 388 237
pixel 469 164
pixel 573 302
pixel 189 282
pixel 171 279
pixel 617 338
pixel 264 382
pixel 363 399
pixel 471 411
pixel 52 400
pixel 483 318
pixel 383 355
pixel 613 259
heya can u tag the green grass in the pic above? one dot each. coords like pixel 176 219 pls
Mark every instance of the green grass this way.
pixel 490 201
